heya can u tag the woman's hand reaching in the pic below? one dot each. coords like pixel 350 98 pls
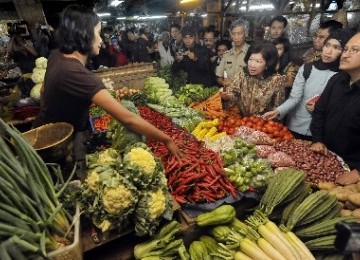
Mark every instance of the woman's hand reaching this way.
pixel 319 148
pixel 175 150
pixel 271 115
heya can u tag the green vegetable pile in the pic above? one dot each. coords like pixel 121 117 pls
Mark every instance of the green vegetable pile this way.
pixel 158 91
pixel 242 167
pixel 180 115
pixel 163 245
pixel 194 93
pixel 126 188
pixel 33 222
pixel 175 79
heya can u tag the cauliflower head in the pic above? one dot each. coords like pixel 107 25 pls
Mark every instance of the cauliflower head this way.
pixel 142 159
pixel 38 75
pixel 152 206
pixel 92 180
pixel 108 156
pixel 117 199
pixel 41 62
pixel 35 91
pixel 157 204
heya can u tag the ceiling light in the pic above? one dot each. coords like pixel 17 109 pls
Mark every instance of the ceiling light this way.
pixel 115 3
pixel 103 14
pixel 121 18
pixel 186 1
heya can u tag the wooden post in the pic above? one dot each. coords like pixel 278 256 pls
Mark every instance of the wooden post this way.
pixel 214 13
pixel 30 11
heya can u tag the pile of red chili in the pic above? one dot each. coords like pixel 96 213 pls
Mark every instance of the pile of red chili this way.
pixel 199 177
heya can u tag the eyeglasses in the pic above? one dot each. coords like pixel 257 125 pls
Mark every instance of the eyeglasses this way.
pixel 351 50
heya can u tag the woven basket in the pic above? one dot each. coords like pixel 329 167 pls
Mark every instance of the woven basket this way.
pixel 52 141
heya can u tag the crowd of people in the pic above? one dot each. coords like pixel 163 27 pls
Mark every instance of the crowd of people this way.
pixel 315 95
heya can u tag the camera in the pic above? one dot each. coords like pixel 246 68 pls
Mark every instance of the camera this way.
pixel 18 28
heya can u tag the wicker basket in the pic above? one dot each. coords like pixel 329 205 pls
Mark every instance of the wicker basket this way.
pixel 73 251
pixel 52 141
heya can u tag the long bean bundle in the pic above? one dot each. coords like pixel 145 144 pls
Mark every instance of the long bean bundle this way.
pixel 32 219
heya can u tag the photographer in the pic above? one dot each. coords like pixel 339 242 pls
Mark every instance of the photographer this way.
pixel 23 53
pixel 195 60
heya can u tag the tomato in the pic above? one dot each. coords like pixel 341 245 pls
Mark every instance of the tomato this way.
pixel 230 131
pixel 249 124
pixel 238 123
pixel 276 133
pixel 264 129
pixel 269 129
pixel 288 137
pixel 231 121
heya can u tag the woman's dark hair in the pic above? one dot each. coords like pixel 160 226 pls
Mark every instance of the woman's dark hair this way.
pixel 286 57
pixel 76 29
pixel 227 43
pixel 269 53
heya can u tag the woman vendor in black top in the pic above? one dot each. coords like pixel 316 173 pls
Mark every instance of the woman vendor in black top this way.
pixel 70 88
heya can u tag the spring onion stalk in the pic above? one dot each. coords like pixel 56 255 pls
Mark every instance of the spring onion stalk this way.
pixel 31 217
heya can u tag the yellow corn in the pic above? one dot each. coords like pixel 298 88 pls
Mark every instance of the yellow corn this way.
pixel 217 136
pixel 201 134
pixel 211 132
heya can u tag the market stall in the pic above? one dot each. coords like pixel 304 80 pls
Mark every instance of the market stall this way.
pixel 245 189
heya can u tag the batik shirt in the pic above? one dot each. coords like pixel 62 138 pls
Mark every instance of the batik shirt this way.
pixel 255 96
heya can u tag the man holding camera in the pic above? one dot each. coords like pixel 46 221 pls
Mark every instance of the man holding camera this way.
pixel 194 60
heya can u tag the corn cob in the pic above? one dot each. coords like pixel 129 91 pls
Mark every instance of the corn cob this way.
pixel 202 133
pixel 321 243
pixel 280 187
pixel 322 229
pixel 305 207
pixel 217 136
pixel 211 132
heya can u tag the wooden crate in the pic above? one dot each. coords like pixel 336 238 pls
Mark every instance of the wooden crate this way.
pixel 132 75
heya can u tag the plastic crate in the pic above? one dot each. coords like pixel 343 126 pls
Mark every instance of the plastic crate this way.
pixel 73 251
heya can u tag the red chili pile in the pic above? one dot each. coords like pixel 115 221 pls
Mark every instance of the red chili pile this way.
pixel 199 177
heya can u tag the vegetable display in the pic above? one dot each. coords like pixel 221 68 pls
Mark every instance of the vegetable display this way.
pixel 211 107
pixel 200 176
pixel 33 221
pixel 194 93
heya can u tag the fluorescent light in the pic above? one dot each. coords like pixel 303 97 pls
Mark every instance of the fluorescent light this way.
pixel 152 17
pixel 115 3
pixel 103 14
pixel 261 7
pixel 204 15
pixel 121 18
pixel 186 1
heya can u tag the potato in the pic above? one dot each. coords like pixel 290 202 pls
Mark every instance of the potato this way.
pixel 356 213
pixel 352 188
pixel 358 186
pixel 354 198
pixel 342 196
pixel 326 185
pixel 345 213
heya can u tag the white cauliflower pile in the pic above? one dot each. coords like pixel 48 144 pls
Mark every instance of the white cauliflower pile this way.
pixel 38 76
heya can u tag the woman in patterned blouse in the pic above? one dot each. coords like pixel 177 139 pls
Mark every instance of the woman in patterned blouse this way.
pixel 257 88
